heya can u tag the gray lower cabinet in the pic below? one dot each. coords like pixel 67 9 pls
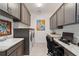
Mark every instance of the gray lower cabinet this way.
pixel 3 6
pixel 20 50
pixel 60 16
pixel 69 13
pixel 13 53
pixel 16 50
pixel 25 33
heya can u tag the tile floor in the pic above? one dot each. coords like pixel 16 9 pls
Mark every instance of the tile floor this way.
pixel 39 49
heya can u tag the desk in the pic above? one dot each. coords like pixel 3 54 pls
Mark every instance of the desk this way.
pixel 70 50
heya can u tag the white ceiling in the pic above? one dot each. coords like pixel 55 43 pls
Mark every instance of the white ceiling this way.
pixel 47 8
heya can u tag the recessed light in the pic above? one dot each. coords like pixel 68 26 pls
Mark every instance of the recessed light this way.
pixel 38 4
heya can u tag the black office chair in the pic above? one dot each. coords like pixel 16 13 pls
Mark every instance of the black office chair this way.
pixel 53 48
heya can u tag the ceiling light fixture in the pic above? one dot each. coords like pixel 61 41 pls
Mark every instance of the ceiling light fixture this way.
pixel 38 4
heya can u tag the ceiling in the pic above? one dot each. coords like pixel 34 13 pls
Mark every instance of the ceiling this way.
pixel 47 8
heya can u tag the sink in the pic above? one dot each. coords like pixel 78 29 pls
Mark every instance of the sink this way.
pixel 6 42
pixel 2 40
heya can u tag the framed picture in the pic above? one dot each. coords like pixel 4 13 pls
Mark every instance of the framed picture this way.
pixel 5 27
pixel 40 25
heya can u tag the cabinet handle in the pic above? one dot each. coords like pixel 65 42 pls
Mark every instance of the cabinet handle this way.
pixel 9 10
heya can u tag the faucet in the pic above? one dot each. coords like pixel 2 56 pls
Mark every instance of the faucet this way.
pixel 2 39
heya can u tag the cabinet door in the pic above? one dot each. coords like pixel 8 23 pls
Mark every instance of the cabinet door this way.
pixel 14 9
pixel 28 18
pixel 77 12
pixel 68 53
pixel 3 6
pixel 24 14
pixel 20 50
pixel 14 53
pixel 54 21
pixel 69 13
pixel 60 16
pixel 51 23
pixel 25 17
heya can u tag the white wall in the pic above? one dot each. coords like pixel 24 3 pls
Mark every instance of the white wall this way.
pixel 40 36
pixel 8 19
pixel 19 25
pixel 70 28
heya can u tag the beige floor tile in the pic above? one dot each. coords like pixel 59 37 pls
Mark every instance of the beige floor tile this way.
pixel 39 49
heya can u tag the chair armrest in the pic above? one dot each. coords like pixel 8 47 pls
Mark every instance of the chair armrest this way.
pixel 57 46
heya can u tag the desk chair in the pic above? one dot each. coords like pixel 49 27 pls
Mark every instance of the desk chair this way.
pixel 53 48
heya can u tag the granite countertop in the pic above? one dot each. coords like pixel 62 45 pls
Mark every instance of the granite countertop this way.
pixel 4 45
pixel 28 28
pixel 72 48
pixel 55 35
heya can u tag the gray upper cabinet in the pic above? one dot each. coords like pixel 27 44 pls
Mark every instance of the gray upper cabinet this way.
pixel 3 6
pixel 77 12
pixel 53 22
pixel 14 9
pixel 69 13
pixel 65 15
pixel 60 16
pixel 25 15
pixel 28 18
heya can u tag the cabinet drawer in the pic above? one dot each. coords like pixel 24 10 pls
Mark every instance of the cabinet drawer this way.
pixel 2 53
pixel 12 49
pixel 14 53
pixel 20 50
pixel 68 53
